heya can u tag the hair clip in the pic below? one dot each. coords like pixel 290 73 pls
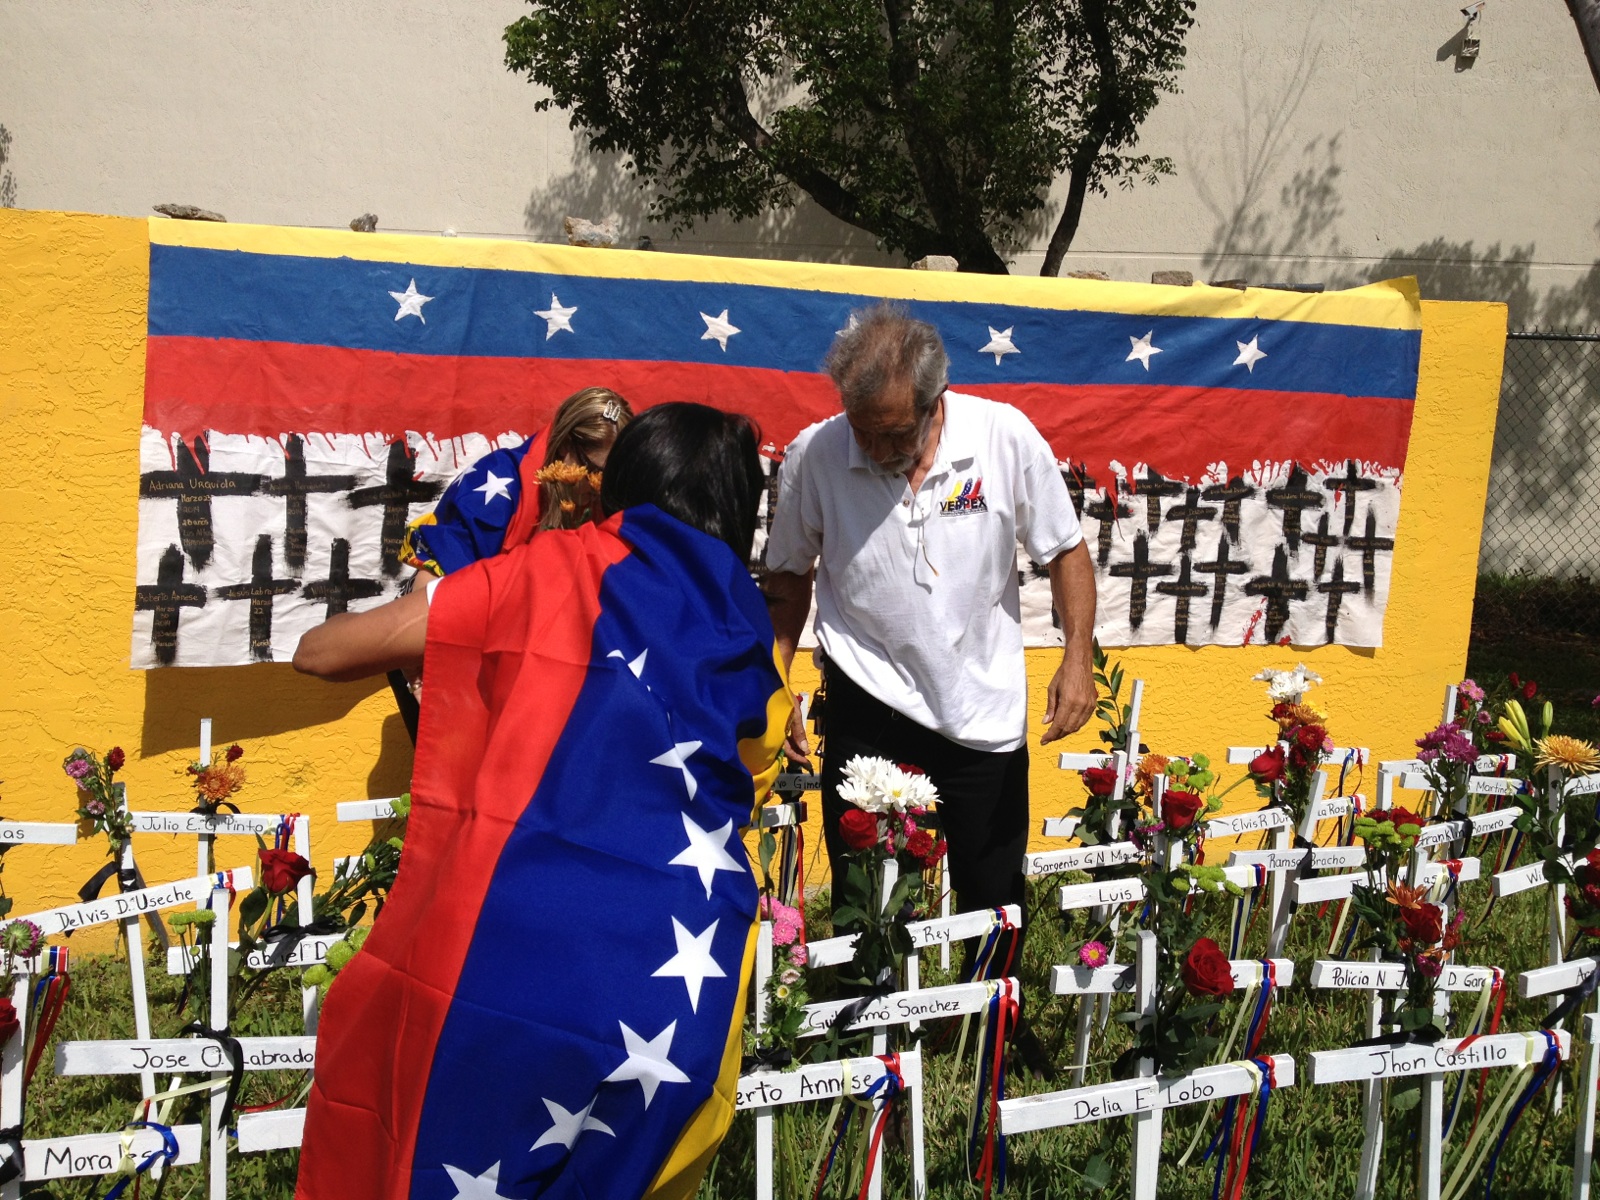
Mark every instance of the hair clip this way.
pixel 613 411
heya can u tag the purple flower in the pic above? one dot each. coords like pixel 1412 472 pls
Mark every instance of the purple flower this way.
pixel 78 768
pixel 1447 740
pixel 1483 718
pixel 94 808
pixel 1471 691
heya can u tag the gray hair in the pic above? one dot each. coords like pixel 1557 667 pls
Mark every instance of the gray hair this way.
pixel 884 345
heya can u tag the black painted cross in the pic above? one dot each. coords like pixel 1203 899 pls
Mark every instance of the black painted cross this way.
pixel 1279 589
pixel 194 485
pixel 1191 512
pixel 1153 487
pixel 295 486
pixel 1079 482
pixel 1294 497
pixel 1336 589
pixel 1107 512
pixel 1219 572
pixel 1185 589
pixel 338 589
pixel 399 491
pixel 1141 570
pixel 1349 484
pixel 1232 494
pixel 261 590
pixel 167 597
pixel 1323 541
pixel 1369 547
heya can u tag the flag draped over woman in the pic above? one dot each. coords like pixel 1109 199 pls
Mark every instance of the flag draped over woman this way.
pixel 551 1002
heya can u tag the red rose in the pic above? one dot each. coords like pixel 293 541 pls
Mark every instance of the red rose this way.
pixel 1591 895
pixel 910 770
pixel 281 870
pixel 1515 682
pixel 1268 766
pixel 8 1020
pixel 1404 816
pixel 1531 690
pixel 919 845
pixel 859 829
pixel 116 758
pixel 1282 711
pixel 235 752
pixel 1101 781
pixel 1178 809
pixel 1424 923
pixel 1205 969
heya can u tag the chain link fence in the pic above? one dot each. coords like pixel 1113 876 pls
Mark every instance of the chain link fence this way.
pixel 1539 566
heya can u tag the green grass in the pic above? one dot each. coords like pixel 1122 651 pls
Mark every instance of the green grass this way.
pixel 1313 1134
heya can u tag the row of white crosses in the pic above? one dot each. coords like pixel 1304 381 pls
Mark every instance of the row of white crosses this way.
pixel 1435 862
pixel 1147 1096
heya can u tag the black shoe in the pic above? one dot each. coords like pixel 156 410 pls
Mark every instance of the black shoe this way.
pixel 1030 1054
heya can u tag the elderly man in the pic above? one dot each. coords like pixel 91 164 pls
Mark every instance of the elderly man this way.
pixel 907 508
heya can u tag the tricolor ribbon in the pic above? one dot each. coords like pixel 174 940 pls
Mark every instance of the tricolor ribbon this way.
pixel 167 1153
pixel 1492 996
pixel 887 1086
pixel 1241 1128
pixel 985 1142
pixel 1504 1112
pixel 45 1002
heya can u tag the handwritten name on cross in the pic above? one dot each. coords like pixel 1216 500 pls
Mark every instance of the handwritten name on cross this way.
pixel 1336 589
pixel 399 491
pixel 194 485
pixel 1191 512
pixel 1233 494
pixel 1079 483
pixel 261 591
pixel 1184 589
pixel 1347 486
pixel 1107 509
pixel 1219 570
pixel 1140 571
pixel 294 487
pixel 1154 487
pixel 1323 541
pixel 338 589
pixel 1370 546
pixel 1280 591
pixel 167 597
pixel 1294 497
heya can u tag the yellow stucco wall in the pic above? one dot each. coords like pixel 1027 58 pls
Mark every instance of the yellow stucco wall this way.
pixel 72 322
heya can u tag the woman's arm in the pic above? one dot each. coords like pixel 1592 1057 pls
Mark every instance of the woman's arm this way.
pixel 356 645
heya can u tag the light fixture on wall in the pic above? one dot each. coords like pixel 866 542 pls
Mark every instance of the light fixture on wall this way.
pixel 1473 31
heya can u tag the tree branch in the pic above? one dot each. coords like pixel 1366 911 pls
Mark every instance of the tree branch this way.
pixel 1108 105
pixel 1587 15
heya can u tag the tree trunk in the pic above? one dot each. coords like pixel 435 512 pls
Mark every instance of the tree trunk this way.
pixel 1587 14
pixel 1106 108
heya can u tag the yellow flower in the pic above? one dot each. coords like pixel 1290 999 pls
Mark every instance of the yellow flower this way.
pixel 1300 714
pixel 1573 755
pixel 1406 897
pixel 781 992
pixel 1150 766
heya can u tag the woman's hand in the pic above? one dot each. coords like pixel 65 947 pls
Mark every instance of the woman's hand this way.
pixel 355 645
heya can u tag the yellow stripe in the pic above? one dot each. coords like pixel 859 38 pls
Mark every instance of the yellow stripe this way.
pixel 1390 305
pixel 679 1177
pixel 760 754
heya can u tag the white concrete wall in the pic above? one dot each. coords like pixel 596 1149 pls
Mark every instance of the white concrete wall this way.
pixel 1314 140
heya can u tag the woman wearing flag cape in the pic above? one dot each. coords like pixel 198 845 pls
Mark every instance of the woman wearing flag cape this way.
pixel 551 1003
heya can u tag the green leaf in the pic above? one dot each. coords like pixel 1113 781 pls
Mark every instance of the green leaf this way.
pixel 253 905
pixel 1097 1172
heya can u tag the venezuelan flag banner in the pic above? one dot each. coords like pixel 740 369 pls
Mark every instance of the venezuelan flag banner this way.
pixel 1237 456
pixel 552 999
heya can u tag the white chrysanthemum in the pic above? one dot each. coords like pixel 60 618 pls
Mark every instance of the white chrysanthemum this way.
pixel 865 783
pixel 1288 687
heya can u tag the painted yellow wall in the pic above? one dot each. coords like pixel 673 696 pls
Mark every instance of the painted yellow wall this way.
pixel 72 321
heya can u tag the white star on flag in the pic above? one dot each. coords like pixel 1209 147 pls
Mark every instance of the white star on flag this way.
pixel 693 962
pixel 678 757
pixel 555 317
pixel 707 852
pixel 568 1125
pixel 999 344
pixel 411 302
pixel 718 330
pixel 1249 355
pixel 647 1061
pixel 496 487
pixel 476 1187
pixel 636 666
pixel 1142 349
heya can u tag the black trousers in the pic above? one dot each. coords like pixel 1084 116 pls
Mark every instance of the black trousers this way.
pixel 983 797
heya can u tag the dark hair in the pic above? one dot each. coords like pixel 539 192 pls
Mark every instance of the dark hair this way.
pixel 695 462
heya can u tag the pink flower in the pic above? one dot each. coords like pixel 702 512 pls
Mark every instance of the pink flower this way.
pixel 78 768
pixel 798 955
pixel 1094 954
pixel 786 921
pixel 1449 741
pixel 94 808
pixel 1470 690
pixel 1483 717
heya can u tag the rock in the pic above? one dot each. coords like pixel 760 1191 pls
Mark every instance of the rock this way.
pixel 599 235
pixel 936 262
pixel 644 243
pixel 188 212
pixel 1100 275
pixel 1173 278
pixel 365 223
pixel 1236 284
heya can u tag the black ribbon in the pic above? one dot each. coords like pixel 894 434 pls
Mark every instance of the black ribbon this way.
pixel 410 710
pixel 1426 1036
pixel 211 810
pixel 1573 1000
pixel 235 1052
pixel 882 985
pixel 11 1169
pixel 282 939
pixel 771 1057
pixel 129 879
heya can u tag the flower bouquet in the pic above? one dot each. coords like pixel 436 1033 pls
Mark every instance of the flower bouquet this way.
pixel 102 801
pixel 215 781
pixel 1285 773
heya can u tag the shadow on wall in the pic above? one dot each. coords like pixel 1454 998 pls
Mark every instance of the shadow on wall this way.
pixel 8 181
pixel 599 186
pixel 263 701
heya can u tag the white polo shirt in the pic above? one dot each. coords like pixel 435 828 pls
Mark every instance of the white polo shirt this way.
pixel 917 594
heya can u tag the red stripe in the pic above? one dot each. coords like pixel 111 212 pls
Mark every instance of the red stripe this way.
pixel 270 388
pixel 383 1017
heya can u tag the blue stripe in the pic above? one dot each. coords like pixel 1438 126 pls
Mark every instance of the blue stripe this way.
pixel 476 312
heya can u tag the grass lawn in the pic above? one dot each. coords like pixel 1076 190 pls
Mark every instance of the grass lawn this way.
pixel 1312 1135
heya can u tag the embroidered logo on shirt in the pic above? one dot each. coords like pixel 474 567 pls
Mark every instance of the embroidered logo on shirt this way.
pixel 965 497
